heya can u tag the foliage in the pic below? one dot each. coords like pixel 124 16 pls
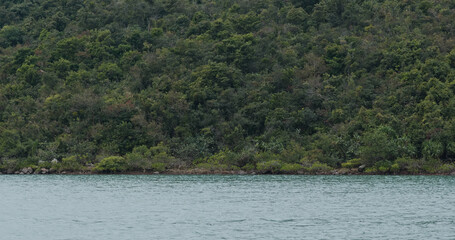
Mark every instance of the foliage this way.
pixel 291 168
pixel 409 164
pixel 273 166
pixel 353 163
pixel 71 163
pixel 155 158
pixel 318 167
pixel 223 160
pixel 112 164
pixel 230 84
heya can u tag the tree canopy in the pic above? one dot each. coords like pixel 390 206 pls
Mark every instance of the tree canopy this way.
pixel 232 84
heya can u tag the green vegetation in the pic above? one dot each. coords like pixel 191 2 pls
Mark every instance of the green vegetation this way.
pixel 111 165
pixel 268 86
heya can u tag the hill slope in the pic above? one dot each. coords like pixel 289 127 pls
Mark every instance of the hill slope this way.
pixel 267 84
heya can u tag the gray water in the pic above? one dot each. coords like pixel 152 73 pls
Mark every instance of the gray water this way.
pixel 227 207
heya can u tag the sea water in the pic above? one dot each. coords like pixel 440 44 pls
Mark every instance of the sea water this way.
pixel 226 207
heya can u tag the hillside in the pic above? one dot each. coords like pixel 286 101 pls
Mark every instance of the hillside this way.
pixel 263 85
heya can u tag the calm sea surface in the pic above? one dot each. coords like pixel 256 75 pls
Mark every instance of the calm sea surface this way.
pixel 226 207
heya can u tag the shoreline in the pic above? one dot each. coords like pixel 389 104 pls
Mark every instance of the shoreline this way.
pixel 196 171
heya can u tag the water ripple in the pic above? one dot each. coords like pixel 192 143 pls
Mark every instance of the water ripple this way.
pixel 227 207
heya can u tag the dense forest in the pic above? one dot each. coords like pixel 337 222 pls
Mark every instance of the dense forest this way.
pixel 273 86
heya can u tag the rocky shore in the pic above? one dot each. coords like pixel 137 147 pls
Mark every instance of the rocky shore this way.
pixel 198 171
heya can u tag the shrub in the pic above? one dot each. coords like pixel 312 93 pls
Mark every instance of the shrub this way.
pixel 432 149
pixel 223 159
pixel 432 166
pixel 213 167
pixel 317 155
pixel 47 165
pixel 273 166
pixel 383 169
pixel 446 168
pixel 144 158
pixel 371 170
pixel 70 164
pixel 10 164
pixel 318 167
pixel 395 168
pixel 160 167
pixel 378 145
pixel 291 168
pixel 409 164
pixel 265 157
pixel 383 166
pixel 293 153
pixel 111 165
pixel 249 167
pixel 353 163
pixel 137 161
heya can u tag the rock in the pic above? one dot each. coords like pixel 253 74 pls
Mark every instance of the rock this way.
pixel 44 171
pixel 9 171
pixel 156 172
pixel 241 172
pixel 37 171
pixel 362 168
pixel 16 172
pixel 453 174
pixel 343 171
pixel 27 170
pixel 52 170
pixel 54 161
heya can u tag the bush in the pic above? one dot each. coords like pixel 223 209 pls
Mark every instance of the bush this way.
pixel 214 167
pixel 144 158
pixel 223 159
pixel 353 163
pixel 10 164
pixel 70 164
pixel 248 167
pixel 395 168
pixel 432 149
pixel 47 165
pixel 273 166
pixel 318 167
pixel 293 153
pixel 446 168
pixel 291 168
pixel 378 145
pixel 383 166
pixel 409 164
pixel 111 165
pixel 371 170
pixel 160 167
pixel 265 157
pixel 432 166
